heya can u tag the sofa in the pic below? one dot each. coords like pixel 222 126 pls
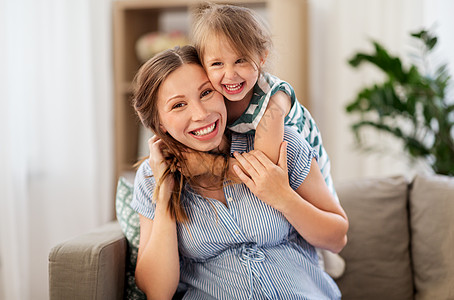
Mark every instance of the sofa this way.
pixel 400 246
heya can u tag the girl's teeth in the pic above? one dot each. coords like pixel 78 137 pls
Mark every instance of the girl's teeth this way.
pixel 233 87
pixel 205 131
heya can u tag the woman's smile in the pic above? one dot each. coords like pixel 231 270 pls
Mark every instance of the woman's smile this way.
pixel 205 131
pixel 191 110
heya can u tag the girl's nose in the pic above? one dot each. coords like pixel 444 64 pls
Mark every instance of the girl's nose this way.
pixel 230 72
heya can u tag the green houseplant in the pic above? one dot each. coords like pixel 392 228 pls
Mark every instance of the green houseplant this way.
pixel 411 104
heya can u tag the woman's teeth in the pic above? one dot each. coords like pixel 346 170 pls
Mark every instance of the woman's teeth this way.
pixel 205 130
pixel 233 87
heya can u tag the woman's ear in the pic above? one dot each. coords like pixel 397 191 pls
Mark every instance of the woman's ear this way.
pixel 162 128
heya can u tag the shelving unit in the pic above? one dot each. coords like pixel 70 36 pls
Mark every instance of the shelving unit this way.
pixel 133 18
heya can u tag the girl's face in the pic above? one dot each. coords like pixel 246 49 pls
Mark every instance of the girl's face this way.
pixel 230 73
pixel 191 110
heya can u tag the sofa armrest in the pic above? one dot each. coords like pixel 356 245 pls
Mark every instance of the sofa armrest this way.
pixel 90 266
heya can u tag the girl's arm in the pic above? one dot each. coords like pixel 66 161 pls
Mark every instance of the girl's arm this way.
pixel 311 208
pixel 158 268
pixel 270 130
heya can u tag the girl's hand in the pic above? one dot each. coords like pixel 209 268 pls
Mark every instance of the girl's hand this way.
pixel 267 181
pixel 158 167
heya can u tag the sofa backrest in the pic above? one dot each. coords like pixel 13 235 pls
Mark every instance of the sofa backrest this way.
pixel 432 236
pixel 377 254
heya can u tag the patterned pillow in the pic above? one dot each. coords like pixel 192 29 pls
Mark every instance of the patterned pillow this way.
pixel 129 223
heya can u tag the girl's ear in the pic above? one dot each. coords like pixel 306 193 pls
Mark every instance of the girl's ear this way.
pixel 263 58
pixel 162 128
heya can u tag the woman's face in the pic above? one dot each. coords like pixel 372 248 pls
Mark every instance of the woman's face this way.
pixel 191 110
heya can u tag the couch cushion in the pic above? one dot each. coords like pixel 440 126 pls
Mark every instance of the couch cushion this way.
pixel 432 219
pixel 377 254
pixel 129 223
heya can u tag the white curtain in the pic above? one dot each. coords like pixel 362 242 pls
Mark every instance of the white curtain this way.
pixel 338 29
pixel 55 133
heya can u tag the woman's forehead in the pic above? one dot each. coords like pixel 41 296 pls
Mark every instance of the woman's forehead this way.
pixel 185 79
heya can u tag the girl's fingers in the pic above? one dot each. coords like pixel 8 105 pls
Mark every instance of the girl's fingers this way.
pixel 264 161
pixel 246 164
pixel 254 160
pixel 244 178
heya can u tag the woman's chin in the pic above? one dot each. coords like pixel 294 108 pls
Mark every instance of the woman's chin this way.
pixel 213 145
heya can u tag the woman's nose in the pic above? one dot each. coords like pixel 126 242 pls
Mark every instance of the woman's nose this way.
pixel 199 111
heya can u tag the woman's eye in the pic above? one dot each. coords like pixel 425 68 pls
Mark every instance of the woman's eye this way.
pixel 215 64
pixel 178 105
pixel 206 93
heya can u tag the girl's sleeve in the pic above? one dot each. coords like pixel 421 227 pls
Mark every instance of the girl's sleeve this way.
pixel 299 157
pixel 144 185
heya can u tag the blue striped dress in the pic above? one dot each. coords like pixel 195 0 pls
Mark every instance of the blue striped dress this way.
pixel 245 249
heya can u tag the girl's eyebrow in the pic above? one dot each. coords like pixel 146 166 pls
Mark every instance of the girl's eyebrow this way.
pixel 210 59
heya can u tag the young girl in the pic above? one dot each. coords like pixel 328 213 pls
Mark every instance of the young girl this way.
pixel 233 45
pixel 235 241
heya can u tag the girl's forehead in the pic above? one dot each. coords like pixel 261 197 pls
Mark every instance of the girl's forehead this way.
pixel 219 41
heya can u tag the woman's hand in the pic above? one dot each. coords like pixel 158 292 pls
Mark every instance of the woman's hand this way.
pixel 158 167
pixel 267 181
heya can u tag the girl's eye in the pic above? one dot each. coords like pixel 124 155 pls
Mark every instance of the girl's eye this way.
pixel 240 61
pixel 215 64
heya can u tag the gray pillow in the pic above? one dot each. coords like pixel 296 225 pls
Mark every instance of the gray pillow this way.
pixel 432 219
pixel 377 254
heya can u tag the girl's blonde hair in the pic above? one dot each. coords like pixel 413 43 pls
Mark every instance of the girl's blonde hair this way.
pixel 242 28
pixel 146 85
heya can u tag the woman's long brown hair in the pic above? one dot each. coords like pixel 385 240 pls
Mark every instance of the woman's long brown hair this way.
pixel 146 86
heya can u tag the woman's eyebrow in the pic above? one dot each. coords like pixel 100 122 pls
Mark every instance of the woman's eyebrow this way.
pixel 203 84
pixel 174 97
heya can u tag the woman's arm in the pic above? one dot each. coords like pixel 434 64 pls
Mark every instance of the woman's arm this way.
pixel 270 130
pixel 158 269
pixel 311 208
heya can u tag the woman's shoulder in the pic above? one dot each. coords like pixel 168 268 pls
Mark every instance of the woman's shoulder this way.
pixel 144 185
pixel 144 170
pixel 144 182
pixel 299 156
pixel 295 140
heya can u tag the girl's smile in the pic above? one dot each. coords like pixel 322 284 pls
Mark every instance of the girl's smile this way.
pixel 230 73
pixel 234 88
